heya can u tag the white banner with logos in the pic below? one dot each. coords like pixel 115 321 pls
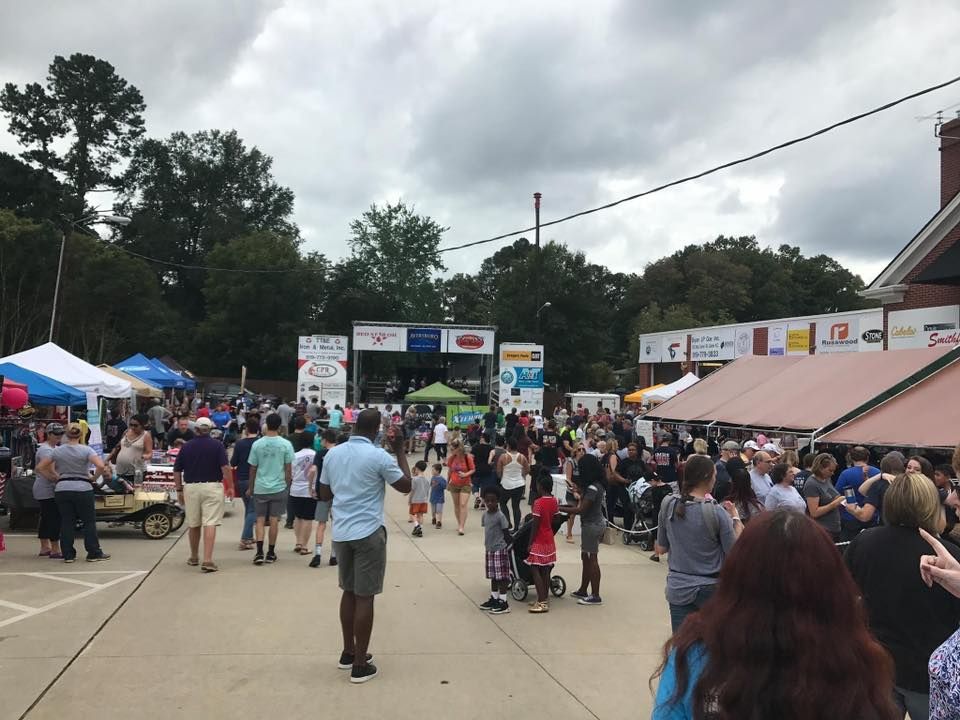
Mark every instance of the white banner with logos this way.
pixel 850 333
pixel 471 342
pixel 521 376
pixel 924 327
pixel 871 331
pixel 716 344
pixel 743 342
pixel 777 340
pixel 322 369
pixel 651 349
pixel 674 349
pixel 384 338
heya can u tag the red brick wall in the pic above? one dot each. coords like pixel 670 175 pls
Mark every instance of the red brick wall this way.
pixel 760 340
pixel 645 375
pixel 949 161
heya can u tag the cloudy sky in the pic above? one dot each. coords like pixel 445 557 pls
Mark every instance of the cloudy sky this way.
pixel 466 109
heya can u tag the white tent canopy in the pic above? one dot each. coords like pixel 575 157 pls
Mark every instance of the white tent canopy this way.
pixel 668 391
pixel 53 361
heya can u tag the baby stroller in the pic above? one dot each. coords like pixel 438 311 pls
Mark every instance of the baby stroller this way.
pixel 520 576
pixel 644 514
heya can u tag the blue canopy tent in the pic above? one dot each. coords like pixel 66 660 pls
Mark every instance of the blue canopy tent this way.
pixel 140 366
pixel 183 381
pixel 43 390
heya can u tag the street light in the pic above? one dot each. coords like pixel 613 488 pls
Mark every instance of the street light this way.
pixel 92 219
pixel 544 307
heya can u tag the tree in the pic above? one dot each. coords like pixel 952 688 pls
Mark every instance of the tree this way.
pixel 32 193
pixel 189 194
pixel 258 327
pixel 86 101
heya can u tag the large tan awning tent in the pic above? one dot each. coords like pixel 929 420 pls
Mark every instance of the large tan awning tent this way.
pixel 140 387
pixel 803 394
pixel 925 415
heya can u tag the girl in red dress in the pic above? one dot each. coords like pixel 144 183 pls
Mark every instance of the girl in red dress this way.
pixel 543 550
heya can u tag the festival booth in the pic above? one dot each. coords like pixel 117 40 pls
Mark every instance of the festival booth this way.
pixel 141 388
pixel 922 416
pixel 54 362
pixel 666 392
pixel 637 396
pixel 437 394
pixel 181 382
pixel 142 367
pixel 802 395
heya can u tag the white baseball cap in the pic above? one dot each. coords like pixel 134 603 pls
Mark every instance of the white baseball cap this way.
pixel 204 422
pixel 772 448
pixel 750 445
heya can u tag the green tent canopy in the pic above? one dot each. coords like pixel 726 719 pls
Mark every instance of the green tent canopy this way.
pixel 436 393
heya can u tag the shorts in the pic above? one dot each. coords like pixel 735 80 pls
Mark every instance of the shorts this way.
pixel 498 564
pixel 361 564
pixel 457 489
pixel 437 506
pixel 322 513
pixel 418 508
pixel 304 508
pixel 409 434
pixel 590 537
pixel 270 505
pixel 203 504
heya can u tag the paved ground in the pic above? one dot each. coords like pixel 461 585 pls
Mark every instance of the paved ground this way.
pixel 146 635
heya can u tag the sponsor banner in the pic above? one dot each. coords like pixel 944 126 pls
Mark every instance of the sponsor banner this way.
pixel 95 441
pixel 423 340
pixel 743 342
pixel 777 340
pixel 674 349
pixel 837 334
pixel 924 328
pixel 465 414
pixel 322 368
pixel 471 342
pixel 651 349
pixel 383 338
pixel 521 376
pixel 871 331
pixel 798 339
pixel 714 344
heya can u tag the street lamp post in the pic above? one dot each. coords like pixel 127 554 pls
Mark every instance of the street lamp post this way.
pixel 80 224
pixel 542 308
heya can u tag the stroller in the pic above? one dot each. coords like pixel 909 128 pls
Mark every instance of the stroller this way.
pixel 520 576
pixel 644 514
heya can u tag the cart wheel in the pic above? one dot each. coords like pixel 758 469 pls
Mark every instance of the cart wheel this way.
pixel 157 525
pixel 646 545
pixel 558 586
pixel 178 518
pixel 627 538
pixel 518 590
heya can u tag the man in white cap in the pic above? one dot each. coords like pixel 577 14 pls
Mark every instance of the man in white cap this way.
pixel 773 450
pixel 749 448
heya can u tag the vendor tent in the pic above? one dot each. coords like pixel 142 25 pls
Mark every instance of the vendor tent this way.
pixel 42 390
pixel 54 362
pixel 141 388
pixel 803 394
pixel 668 391
pixel 178 378
pixel 637 395
pixel 141 366
pixel 925 415
pixel 436 393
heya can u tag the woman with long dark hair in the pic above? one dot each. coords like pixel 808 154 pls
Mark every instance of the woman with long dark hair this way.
pixel 697 533
pixel 783 628
pixel 742 495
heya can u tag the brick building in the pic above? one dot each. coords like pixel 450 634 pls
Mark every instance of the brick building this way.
pixel 919 291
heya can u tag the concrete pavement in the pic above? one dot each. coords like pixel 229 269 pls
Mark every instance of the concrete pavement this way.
pixel 155 638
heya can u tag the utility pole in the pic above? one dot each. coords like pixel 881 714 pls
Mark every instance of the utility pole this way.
pixel 537 265
pixel 536 211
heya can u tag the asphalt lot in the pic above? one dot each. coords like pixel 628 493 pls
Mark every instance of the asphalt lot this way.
pixel 145 634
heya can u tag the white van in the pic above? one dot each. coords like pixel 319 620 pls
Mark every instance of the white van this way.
pixel 590 399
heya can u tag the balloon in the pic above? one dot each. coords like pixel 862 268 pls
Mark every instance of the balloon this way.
pixel 13 398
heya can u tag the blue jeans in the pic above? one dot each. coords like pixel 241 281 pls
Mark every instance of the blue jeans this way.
pixel 678 613
pixel 249 512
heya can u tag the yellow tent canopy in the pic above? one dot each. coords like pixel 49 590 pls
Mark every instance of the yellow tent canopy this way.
pixel 637 395
pixel 139 386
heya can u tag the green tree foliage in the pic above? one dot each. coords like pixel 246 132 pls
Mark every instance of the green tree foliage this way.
pixel 85 101
pixel 257 324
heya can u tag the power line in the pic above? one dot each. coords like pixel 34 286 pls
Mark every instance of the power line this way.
pixel 711 171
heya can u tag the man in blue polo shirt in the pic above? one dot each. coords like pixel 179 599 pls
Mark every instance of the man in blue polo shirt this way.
pixel 354 476
pixel 848 484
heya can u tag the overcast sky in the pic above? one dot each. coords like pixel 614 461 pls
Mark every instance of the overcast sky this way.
pixel 466 109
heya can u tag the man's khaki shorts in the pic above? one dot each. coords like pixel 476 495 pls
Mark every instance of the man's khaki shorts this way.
pixel 361 564
pixel 204 504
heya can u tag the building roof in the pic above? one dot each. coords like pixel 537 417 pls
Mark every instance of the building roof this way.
pixel 921 416
pixel 890 284
pixel 945 270
pixel 803 394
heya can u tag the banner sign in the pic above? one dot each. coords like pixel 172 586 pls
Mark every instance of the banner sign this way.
pixel 674 349
pixel 924 328
pixel 521 376
pixel 798 339
pixel 95 441
pixel 650 349
pixel 423 340
pixel 850 333
pixel 372 337
pixel 471 342
pixel 743 342
pixel 871 331
pixel 777 340
pixel 322 369
pixel 716 344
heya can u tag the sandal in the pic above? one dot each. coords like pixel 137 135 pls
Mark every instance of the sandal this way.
pixel 297 549
pixel 43 553
pixel 193 562
pixel 305 551
pixel 209 567
pixel 570 539
pixel 245 545
pixel 539 608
